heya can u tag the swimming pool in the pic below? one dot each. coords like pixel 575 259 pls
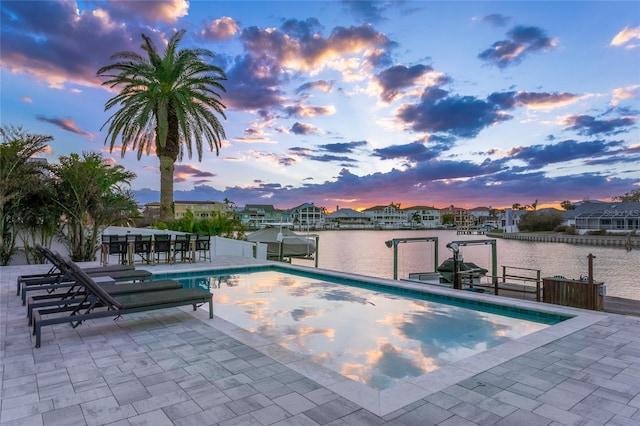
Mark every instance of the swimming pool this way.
pixel 375 334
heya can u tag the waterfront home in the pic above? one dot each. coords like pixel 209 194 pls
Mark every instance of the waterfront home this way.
pixel 348 218
pixel 255 216
pixel 424 216
pixel 200 210
pixel 390 216
pixel 306 216
pixel 619 217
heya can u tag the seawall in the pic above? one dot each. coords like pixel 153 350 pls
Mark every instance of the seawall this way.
pixel 622 241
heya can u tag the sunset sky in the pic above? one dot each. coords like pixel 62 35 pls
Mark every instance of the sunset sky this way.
pixel 357 103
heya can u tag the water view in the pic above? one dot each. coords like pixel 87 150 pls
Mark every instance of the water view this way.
pixel 364 252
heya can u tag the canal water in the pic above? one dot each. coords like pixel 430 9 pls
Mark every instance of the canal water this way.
pixel 365 252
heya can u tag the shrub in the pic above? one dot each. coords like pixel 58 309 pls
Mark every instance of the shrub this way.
pixel 537 222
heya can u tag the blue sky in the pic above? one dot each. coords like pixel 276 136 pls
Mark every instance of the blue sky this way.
pixel 357 103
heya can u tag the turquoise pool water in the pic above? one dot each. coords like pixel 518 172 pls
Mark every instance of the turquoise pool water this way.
pixel 372 333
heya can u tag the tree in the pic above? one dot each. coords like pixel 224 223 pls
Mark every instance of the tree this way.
pixel 91 195
pixel 633 195
pixel 567 205
pixel 17 167
pixel 537 222
pixel 39 216
pixel 166 103
pixel 416 218
pixel 516 206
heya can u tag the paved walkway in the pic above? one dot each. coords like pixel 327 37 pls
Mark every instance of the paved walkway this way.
pixel 178 367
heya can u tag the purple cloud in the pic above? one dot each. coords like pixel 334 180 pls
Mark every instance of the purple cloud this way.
pixel 522 41
pixel 588 125
pixel 394 79
pixel 541 155
pixel 461 116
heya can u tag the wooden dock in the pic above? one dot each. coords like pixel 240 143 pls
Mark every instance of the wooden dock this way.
pixel 619 305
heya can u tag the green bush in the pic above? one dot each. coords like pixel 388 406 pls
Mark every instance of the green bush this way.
pixel 539 222
pixel 222 225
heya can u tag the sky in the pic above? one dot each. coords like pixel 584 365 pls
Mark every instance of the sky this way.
pixel 354 104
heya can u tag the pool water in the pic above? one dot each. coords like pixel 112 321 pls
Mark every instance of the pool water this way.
pixel 375 336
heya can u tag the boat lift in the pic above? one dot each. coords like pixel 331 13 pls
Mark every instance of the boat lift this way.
pixel 454 246
pixel 394 243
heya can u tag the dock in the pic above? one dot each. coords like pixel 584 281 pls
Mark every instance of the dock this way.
pixel 622 306
pixel 470 230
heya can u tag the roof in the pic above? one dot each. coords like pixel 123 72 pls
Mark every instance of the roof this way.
pixel 422 208
pixel 305 206
pixel 347 213
pixel 621 209
pixel 265 207
pixel 195 202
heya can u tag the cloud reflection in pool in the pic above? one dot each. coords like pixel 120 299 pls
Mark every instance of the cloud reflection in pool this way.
pixel 375 338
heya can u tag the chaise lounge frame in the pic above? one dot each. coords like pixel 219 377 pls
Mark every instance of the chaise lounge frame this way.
pixel 97 303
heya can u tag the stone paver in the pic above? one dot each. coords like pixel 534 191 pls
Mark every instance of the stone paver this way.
pixel 178 367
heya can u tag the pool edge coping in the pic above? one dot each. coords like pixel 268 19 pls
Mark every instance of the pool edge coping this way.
pixel 383 402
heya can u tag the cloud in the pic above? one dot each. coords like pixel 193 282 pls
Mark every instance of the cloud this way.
pixel 461 116
pixel 343 147
pixel 317 155
pixel 367 11
pixel 186 172
pixel 629 92
pixel 393 79
pixel 167 11
pixel 220 29
pixel 253 84
pixel 545 99
pixel 75 46
pixel 67 124
pixel 308 111
pixel 299 45
pixel 588 125
pixel 629 37
pixel 490 182
pixel 322 85
pixel 568 150
pixel 414 152
pixel 521 42
pixel 630 155
pixel 303 129
pixel 495 19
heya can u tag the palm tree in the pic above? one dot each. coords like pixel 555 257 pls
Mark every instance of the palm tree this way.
pixel 17 168
pixel 91 195
pixel 166 103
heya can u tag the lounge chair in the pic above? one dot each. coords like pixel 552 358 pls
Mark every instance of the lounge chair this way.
pixel 77 294
pixel 54 273
pixel 61 279
pixel 100 304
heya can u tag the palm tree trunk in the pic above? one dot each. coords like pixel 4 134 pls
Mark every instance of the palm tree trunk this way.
pixel 166 188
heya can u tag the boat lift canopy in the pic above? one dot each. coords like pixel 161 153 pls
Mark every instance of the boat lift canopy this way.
pixel 394 243
pixel 455 247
